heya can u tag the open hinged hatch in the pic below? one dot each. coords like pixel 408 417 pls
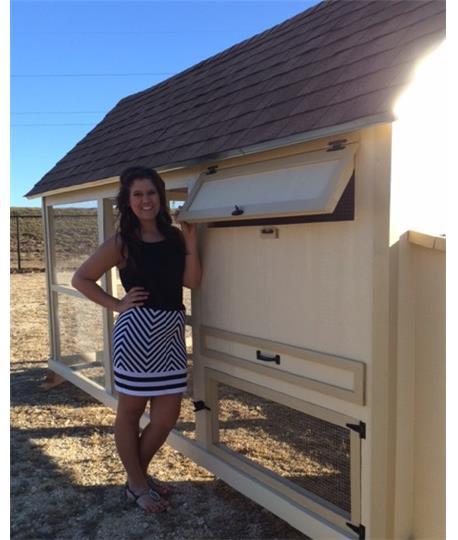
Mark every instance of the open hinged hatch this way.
pixel 299 185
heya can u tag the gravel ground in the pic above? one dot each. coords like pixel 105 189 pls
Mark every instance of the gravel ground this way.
pixel 66 478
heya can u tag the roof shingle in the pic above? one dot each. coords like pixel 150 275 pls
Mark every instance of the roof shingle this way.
pixel 332 64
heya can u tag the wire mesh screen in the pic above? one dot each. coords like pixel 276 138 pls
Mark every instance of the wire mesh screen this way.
pixel 75 238
pixel 26 241
pixel 309 452
pixel 81 337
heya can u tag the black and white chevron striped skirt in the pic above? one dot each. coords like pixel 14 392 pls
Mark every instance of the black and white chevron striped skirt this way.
pixel 149 352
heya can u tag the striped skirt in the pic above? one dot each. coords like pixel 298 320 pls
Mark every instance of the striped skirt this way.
pixel 149 352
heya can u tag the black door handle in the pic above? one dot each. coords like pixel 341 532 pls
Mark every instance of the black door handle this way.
pixel 260 356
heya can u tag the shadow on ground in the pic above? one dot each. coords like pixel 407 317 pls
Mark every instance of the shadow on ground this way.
pixel 48 503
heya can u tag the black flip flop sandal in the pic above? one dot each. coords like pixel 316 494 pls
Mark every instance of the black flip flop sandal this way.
pixel 156 486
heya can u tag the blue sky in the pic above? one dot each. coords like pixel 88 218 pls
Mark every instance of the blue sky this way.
pixel 72 61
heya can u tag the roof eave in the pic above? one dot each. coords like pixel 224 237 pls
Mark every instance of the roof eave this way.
pixel 75 187
pixel 273 144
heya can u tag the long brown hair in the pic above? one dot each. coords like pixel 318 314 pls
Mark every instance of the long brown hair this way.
pixel 129 225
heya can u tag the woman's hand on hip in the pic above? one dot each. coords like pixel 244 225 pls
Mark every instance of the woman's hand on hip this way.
pixel 136 297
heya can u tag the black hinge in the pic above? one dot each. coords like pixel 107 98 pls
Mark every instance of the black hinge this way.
pixel 200 405
pixel 360 530
pixel 212 170
pixel 339 144
pixel 359 428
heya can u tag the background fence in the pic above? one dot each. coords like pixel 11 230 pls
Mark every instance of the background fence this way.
pixel 27 248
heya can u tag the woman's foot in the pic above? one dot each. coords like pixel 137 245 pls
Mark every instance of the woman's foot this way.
pixel 148 500
pixel 159 487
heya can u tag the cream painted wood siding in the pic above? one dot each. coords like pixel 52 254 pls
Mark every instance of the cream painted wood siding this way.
pixel 429 441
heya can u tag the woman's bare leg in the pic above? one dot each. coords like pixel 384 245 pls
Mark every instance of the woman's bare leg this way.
pixel 164 414
pixel 130 409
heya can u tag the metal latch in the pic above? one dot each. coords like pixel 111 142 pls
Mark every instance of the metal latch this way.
pixel 269 232
pixel 200 405
pixel 237 211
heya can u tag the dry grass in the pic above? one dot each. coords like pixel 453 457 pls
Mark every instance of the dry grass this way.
pixel 69 223
pixel 66 478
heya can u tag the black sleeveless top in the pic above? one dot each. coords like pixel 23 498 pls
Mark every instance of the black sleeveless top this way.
pixel 160 271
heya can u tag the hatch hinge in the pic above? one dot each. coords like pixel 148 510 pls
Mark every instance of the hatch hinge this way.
pixel 359 428
pixel 338 144
pixel 212 170
pixel 360 530
pixel 200 405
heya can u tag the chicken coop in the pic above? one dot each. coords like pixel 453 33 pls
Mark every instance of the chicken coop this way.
pixel 316 339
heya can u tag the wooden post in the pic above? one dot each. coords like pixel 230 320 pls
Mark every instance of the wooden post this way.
pixel 105 223
pixel 18 245
pixel 49 240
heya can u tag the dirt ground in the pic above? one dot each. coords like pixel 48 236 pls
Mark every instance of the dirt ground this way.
pixel 66 478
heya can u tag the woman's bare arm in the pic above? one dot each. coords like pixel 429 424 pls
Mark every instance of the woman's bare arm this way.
pixel 105 257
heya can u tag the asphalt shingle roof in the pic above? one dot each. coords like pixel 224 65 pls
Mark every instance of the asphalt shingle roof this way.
pixel 334 63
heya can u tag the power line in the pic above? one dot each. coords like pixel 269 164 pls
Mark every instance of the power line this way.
pixel 126 33
pixel 36 75
pixel 44 125
pixel 59 112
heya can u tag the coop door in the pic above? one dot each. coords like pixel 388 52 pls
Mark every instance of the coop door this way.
pixel 309 454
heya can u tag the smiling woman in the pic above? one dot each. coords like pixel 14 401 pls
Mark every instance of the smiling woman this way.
pixel 154 260
pixel 144 199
